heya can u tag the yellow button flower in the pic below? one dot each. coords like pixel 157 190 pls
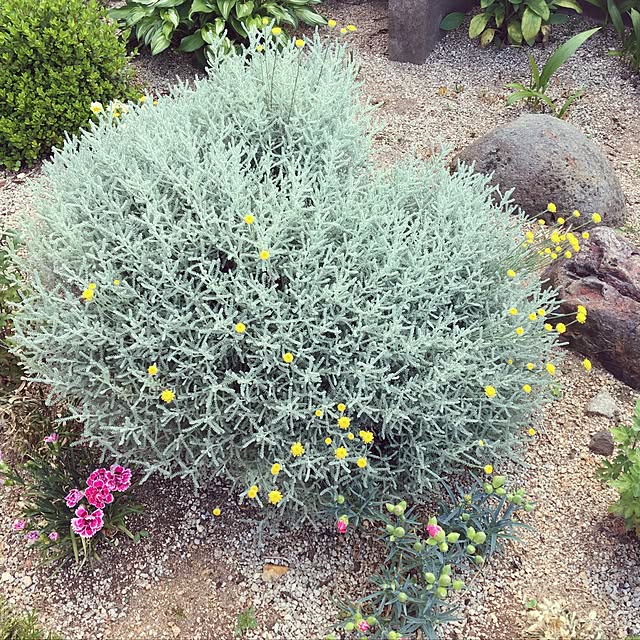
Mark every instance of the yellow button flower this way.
pixel 343 31
pixel 240 327
pixel 585 235
pixel 275 496
pixel 513 311
pixel 297 449
pixel 299 43
pixel 328 441
pixel 318 413
pixel 366 436
pixel 561 327
pixel 561 221
pixel 152 370
pixel 88 294
pixel 331 23
pixel 350 436
pixel 344 422
pixel 253 491
pixel 216 512
pixel 526 388
pixel 168 396
pixel 576 213
pixel 342 407
pixel 581 309
pixel 552 207
pixel 490 391
pixel 275 469
pixel 586 363
pixel 519 331
pixel 488 469
pixel 264 255
pixel 96 107
pixel 531 366
pixel 265 21
pixel 351 27
pixel 548 327
pixel 511 273
pixel 361 462
pixel 533 316
pixel 568 254
pixel 541 222
pixel 550 367
pixel 581 317
pixel 287 357
pixel 481 443
pixel 116 282
pixel 531 432
pixel 249 219
pixel 340 453
pixel 597 218
pixel 510 361
pixel 276 31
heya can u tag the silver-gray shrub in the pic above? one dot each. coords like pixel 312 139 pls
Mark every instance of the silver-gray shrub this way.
pixel 388 287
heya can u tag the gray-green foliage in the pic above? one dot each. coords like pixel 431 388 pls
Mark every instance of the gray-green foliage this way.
pixel 389 288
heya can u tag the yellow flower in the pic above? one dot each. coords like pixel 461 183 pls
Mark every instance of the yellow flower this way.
pixel 253 491
pixel 533 316
pixel 96 107
pixel 519 331
pixel 240 327
pixel 561 327
pixel 331 23
pixel 344 422
pixel 265 21
pixel 510 361
pixel 287 357
pixel 531 366
pixel 259 47
pixel 581 317
pixel 554 256
pixel 585 235
pixel 597 218
pixel 342 408
pixel 488 469
pixel 490 391
pixel 168 396
pixel 216 512
pixel 586 363
pixel 361 462
pixel 529 236
pixel 343 31
pixel 152 370
pixel 551 207
pixel 548 327
pixel 264 255
pixel 561 220
pixel 276 31
pixel 328 441
pixel 367 436
pixel 297 449
pixel 88 294
pixel 526 388
pixel 351 27
pixel 511 273
pixel 555 237
pixel 341 453
pixel 481 443
pixel 541 223
pixel 531 432
pixel 350 436
pixel 541 312
pixel 547 250
pixel 576 213
pixel 116 282
pixel 513 311
pixel 275 496
pixel 275 469
pixel 142 99
pixel 299 43
pixel 568 254
pixel 318 413
pixel 249 219
pixel 581 309
pixel 550 367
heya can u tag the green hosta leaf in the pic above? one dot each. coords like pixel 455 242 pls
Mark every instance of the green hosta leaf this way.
pixel 238 27
pixel 162 4
pixel 558 18
pixel 568 4
pixel 498 15
pixel 478 24
pixel 531 23
pixel 225 7
pixel 192 42
pixel 159 42
pixel 540 7
pixel 514 32
pixel 452 21
pixel 484 4
pixel 202 6
pixel 487 37
pixel 244 9
pixel 171 16
pixel 310 17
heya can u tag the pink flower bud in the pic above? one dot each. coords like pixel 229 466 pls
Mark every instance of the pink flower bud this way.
pixel 363 625
pixel 341 526
pixel 433 530
pixel 19 525
pixel 52 438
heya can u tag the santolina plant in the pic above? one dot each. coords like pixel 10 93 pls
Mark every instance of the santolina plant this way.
pixel 223 286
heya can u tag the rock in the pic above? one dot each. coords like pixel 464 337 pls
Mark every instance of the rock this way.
pixel 545 159
pixel 6 577
pixel 175 630
pixel 602 443
pixel 271 572
pixel 603 404
pixel 605 278
pixel 27 581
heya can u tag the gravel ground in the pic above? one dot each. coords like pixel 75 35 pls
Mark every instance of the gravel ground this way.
pixel 196 572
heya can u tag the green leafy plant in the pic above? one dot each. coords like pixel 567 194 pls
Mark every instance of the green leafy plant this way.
pixel 56 490
pixel 623 473
pixel 629 38
pixel 423 562
pixel 536 93
pixel 199 24
pixel 14 626
pixel 207 311
pixel 56 57
pixel 609 7
pixel 246 621
pixel 10 284
pixel 512 21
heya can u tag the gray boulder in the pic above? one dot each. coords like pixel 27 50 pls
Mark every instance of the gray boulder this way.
pixel 602 443
pixel 544 160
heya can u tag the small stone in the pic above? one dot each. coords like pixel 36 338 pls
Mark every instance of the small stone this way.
pixel 27 581
pixel 603 404
pixel 175 629
pixel 6 577
pixel 271 572
pixel 602 443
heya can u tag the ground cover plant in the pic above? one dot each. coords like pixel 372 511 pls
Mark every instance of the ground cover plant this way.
pixel 56 57
pixel 251 300
pixel 21 627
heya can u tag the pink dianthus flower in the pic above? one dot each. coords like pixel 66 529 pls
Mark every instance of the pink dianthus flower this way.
pixel 433 530
pixel 54 536
pixel 98 494
pixel 102 476
pixel 341 526
pixel 52 438
pixel 73 497
pixel 87 524
pixel 363 625
pixel 121 477
pixel 32 536
pixel 19 525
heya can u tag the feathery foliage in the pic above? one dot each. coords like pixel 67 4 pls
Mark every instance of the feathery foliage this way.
pixel 388 289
